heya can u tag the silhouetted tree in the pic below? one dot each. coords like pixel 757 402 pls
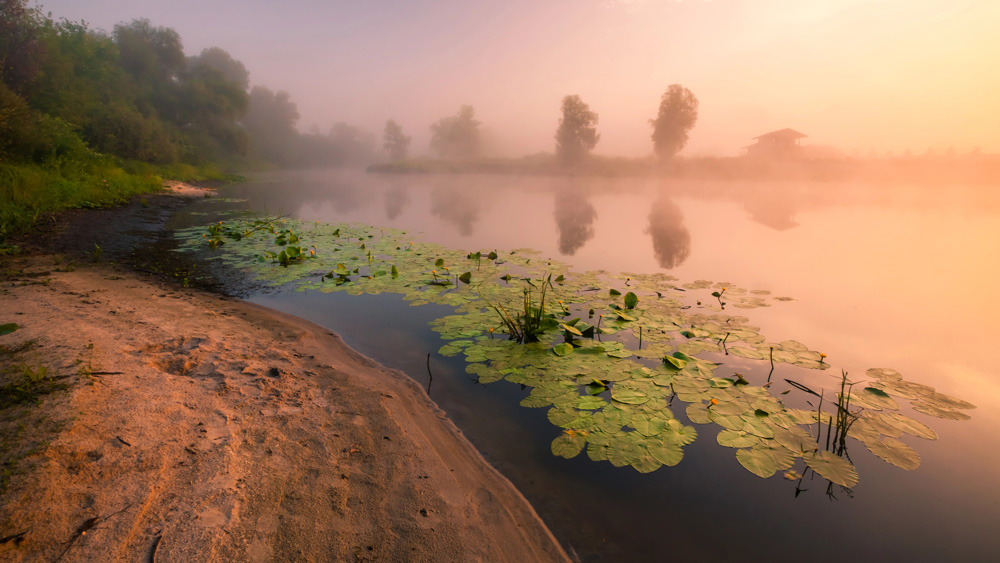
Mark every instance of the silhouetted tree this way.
pixel 577 133
pixel 678 114
pixel 457 136
pixel 671 239
pixel 394 141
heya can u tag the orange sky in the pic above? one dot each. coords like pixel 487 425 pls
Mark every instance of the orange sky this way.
pixel 858 74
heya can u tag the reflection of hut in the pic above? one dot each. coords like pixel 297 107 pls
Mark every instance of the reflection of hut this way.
pixel 776 144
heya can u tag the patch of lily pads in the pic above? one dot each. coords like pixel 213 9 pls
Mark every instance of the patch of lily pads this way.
pixel 611 356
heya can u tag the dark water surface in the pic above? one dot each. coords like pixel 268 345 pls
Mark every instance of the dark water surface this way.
pixel 903 277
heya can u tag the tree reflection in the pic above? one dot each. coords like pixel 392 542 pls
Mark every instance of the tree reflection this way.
pixel 396 198
pixel 574 217
pixel 455 205
pixel 671 239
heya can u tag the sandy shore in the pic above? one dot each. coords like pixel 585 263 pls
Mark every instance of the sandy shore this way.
pixel 195 427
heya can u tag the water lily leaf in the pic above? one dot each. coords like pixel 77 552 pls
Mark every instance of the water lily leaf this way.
pixel 757 461
pixel 563 349
pixel 648 426
pixel 908 425
pixel 666 453
pixel 631 300
pixel 885 374
pixel 568 446
pixel 757 427
pixel 795 440
pixel 895 452
pixel 629 396
pixel 732 439
pixel 646 464
pixel 8 328
pixel 940 412
pixel 439 262
pixel 571 329
pixel 672 362
pixel 833 468
pixel 465 278
pixel 589 402
pixel 698 413
pixel 623 353
pixel 946 401
pixel 614 292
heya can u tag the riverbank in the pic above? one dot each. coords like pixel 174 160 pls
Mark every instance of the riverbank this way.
pixel 163 423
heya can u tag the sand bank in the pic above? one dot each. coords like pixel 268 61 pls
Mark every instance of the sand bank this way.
pixel 196 427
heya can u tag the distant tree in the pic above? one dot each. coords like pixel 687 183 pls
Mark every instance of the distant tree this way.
pixel 678 114
pixel 150 52
pixel 270 121
pixel 457 136
pixel 577 133
pixel 394 141
pixel 220 60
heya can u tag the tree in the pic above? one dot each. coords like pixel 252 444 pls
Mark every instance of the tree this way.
pixel 577 133
pixel 456 136
pixel 21 52
pixel 220 60
pixel 678 114
pixel 394 141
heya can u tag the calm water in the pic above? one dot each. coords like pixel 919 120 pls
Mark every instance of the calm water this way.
pixel 901 277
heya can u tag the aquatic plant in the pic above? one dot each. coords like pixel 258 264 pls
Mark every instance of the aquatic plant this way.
pixel 611 387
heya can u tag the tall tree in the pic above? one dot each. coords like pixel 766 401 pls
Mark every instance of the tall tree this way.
pixel 678 114
pixel 394 141
pixel 457 136
pixel 577 133
pixel 21 52
pixel 220 60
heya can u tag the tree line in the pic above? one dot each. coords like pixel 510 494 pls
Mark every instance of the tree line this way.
pixel 458 136
pixel 135 95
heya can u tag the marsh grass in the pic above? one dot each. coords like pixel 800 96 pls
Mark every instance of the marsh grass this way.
pixel 525 326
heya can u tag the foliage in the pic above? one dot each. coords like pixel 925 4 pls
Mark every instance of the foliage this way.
pixel 676 117
pixel 394 141
pixel 577 133
pixel 611 388
pixel 457 136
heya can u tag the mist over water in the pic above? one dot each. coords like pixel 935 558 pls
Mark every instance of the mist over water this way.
pixel 878 276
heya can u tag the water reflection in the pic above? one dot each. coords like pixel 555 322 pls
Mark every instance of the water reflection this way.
pixel 456 206
pixel 574 215
pixel 671 239
pixel 397 198
pixel 777 213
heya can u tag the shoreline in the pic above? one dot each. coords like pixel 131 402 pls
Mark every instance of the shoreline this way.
pixel 199 427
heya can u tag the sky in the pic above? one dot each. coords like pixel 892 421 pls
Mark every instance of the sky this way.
pixel 859 75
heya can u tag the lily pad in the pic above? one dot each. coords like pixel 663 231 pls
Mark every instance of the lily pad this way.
pixel 8 328
pixel 895 452
pixel 757 461
pixel 832 467
pixel 568 446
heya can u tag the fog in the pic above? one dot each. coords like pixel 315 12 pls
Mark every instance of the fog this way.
pixel 865 75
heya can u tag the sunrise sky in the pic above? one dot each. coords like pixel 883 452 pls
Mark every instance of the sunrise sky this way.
pixel 882 75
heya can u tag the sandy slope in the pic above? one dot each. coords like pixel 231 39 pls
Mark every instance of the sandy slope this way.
pixel 217 430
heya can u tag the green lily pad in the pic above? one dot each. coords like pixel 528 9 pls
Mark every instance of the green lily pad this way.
pixel 629 396
pixel 665 453
pixel 833 468
pixel 568 446
pixel 757 461
pixel 563 349
pixel 8 328
pixel 732 439
pixel 895 452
